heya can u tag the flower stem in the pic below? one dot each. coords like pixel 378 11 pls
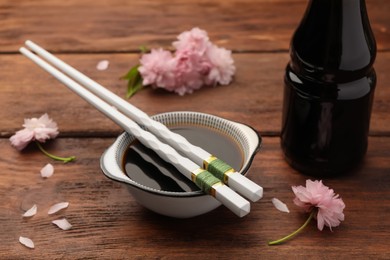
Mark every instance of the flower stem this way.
pixel 63 159
pixel 279 241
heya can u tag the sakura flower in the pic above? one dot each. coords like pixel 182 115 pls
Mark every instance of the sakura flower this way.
pixel 322 204
pixel 187 76
pixel 157 68
pixel 40 129
pixel 222 66
pixel 318 196
pixel 195 63
pixel 195 41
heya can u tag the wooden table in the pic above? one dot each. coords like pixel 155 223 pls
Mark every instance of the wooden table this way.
pixel 107 222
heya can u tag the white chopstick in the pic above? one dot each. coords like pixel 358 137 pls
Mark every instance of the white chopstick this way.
pixel 234 179
pixel 188 168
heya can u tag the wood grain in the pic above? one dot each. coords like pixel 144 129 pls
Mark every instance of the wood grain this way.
pixel 123 26
pixel 109 224
pixel 254 98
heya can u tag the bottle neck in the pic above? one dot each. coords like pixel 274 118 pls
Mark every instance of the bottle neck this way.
pixel 334 41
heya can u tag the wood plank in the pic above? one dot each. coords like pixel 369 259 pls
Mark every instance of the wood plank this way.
pixel 109 224
pixel 119 26
pixel 254 98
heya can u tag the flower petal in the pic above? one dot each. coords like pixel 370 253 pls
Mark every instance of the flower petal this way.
pixel 31 212
pixel 279 205
pixel 21 139
pixel 320 222
pixel 57 207
pixel 47 171
pixel 26 242
pixel 102 65
pixel 62 223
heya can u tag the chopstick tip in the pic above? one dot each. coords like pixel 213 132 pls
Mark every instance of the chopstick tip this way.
pixel 22 49
pixel 244 210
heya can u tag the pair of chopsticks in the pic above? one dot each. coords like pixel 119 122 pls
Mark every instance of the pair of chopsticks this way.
pixel 201 167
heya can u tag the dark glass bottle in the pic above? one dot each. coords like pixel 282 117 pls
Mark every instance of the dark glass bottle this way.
pixel 329 88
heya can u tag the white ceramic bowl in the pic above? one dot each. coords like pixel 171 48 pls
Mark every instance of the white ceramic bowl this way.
pixel 179 204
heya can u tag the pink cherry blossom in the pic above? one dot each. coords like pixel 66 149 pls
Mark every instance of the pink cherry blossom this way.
pixel 318 196
pixel 157 68
pixel 40 129
pixel 222 65
pixel 187 76
pixel 195 41
pixel 322 203
pixel 195 63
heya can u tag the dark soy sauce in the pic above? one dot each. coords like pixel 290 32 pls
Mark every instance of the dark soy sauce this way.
pixel 329 88
pixel 144 166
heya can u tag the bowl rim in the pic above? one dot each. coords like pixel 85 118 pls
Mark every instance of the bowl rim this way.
pixel 175 194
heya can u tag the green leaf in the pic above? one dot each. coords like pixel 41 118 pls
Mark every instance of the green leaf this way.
pixel 132 89
pixel 134 79
pixel 132 72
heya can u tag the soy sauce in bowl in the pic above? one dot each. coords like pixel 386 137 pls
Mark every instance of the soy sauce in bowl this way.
pixel 145 167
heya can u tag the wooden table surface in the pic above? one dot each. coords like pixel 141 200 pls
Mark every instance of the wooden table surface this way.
pixel 107 222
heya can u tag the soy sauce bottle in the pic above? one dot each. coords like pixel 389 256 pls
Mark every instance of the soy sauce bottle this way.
pixel 329 88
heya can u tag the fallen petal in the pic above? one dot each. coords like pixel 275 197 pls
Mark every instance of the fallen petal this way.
pixel 62 223
pixel 57 207
pixel 102 65
pixel 47 171
pixel 280 205
pixel 31 212
pixel 26 242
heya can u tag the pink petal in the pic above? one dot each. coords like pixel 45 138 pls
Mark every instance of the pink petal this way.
pixel 26 242
pixel 57 207
pixel 320 222
pixel 102 65
pixel 47 171
pixel 279 205
pixel 21 138
pixel 31 212
pixel 62 223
